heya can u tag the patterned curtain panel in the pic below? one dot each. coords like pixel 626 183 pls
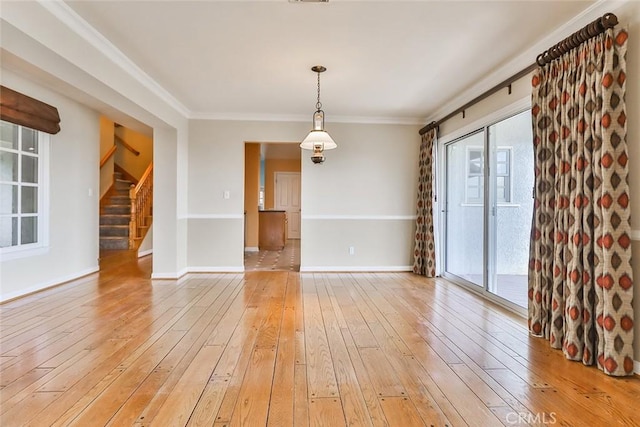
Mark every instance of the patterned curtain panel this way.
pixel 580 279
pixel 424 254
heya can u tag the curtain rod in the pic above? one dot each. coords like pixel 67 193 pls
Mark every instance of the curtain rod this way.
pixel 599 26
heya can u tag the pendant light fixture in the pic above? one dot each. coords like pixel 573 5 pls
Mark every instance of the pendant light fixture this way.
pixel 318 140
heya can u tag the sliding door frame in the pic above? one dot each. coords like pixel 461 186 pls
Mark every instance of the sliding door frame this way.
pixel 481 125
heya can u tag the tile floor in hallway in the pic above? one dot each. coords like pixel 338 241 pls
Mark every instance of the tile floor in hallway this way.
pixel 287 259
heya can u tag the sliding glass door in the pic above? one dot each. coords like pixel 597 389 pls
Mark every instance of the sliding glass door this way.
pixel 487 226
pixel 511 177
pixel 465 208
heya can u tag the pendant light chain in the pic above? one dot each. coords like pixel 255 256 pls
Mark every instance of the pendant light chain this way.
pixel 318 140
pixel 318 104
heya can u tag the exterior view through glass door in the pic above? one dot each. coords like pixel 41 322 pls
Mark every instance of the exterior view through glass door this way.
pixel 487 227
pixel 511 195
pixel 465 208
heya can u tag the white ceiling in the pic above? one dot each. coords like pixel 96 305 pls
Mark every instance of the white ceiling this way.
pixel 397 61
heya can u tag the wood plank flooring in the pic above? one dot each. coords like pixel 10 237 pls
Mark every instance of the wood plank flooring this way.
pixel 283 348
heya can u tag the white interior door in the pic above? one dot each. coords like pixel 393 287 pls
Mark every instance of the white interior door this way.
pixel 287 196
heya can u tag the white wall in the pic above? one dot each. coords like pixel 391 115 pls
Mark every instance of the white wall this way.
pixel 362 196
pixel 165 213
pixel 73 213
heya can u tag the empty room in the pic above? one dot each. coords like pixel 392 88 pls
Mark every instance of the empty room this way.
pixel 319 213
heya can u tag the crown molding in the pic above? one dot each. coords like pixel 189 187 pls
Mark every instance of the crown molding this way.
pixel 249 117
pixel 378 120
pixel 304 118
pixel 526 58
pixel 82 28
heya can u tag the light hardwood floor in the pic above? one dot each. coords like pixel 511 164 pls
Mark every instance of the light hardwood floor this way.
pixel 282 349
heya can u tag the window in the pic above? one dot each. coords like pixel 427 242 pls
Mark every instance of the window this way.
pixel 261 198
pixel 475 175
pixel 503 175
pixel 22 190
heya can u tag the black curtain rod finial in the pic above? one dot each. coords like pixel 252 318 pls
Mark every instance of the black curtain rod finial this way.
pixel 609 20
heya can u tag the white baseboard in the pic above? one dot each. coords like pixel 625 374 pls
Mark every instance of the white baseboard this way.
pixel 251 249
pixel 48 284
pixel 169 275
pixel 352 268
pixel 164 276
pixel 145 253
pixel 205 269
pixel 636 367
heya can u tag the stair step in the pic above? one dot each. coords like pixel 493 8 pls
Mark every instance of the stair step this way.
pixel 111 230
pixel 117 209
pixel 122 185
pixel 120 199
pixel 114 242
pixel 114 219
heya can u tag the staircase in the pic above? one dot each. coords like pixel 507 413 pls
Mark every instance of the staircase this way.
pixel 115 214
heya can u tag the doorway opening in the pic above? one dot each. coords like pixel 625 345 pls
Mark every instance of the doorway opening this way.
pixel 126 193
pixel 272 206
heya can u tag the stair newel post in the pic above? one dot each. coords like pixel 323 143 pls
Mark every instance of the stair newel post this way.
pixel 133 225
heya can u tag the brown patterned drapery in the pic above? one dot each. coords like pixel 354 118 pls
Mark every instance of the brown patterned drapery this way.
pixel 424 254
pixel 580 278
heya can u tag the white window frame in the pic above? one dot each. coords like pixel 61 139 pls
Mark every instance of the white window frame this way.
pixel 42 244
pixel 509 175
pixel 467 178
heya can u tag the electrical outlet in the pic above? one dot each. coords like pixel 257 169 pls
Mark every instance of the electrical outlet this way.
pixel 352 250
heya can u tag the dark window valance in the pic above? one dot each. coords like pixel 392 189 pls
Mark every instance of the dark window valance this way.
pixel 26 111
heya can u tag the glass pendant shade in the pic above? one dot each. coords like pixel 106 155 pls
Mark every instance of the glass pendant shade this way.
pixel 318 137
